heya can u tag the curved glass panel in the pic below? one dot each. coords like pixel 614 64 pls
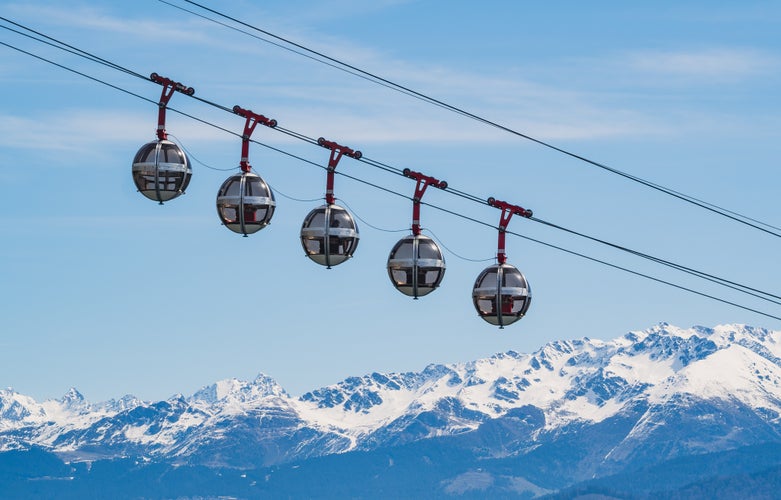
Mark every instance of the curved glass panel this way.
pixel 315 220
pixel 416 266
pixel 488 279
pixel 146 154
pixel 427 249
pixel 313 245
pixel 402 250
pixel 256 187
pixel 431 277
pixel 171 153
pixel 245 203
pixel 231 187
pixel 341 218
pixel 501 295
pixel 229 214
pixel 161 170
pixel 513 278
pixel 329 235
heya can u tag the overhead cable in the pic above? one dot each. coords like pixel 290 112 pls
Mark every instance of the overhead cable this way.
pixel 717 280
pixel 372 77
pixel 74 50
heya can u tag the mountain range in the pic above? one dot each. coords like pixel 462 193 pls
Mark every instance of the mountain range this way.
pixel 521 425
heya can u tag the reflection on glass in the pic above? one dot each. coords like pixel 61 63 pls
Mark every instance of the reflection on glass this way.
pixel 404 251
pixel 416 266
pixel 428 250
pixel 503 305
pixel 513 278
pixel 146 154
pixel 315 220
pixel 340 218
pixel 329 235
pixel 161 170
pixel 170 153
pixel 248 211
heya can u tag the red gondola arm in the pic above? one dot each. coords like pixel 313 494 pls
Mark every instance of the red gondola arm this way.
pixel 337 151
pixel 508 211
pixel 424 181
pixel 249 126
pixel 169 87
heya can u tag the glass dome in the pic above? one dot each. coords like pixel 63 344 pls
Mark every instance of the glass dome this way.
pixel 501 295
pixel 329 235
pixel 161 170
pixel 245 203
pixel 416 266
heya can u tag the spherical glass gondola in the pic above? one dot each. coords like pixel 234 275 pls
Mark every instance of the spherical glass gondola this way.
pixel 501 295
pixel 161 170
pixel 245 203
pixel 329 235
pixel 416 266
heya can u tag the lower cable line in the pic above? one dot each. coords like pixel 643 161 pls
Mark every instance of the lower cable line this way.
pixel 709 277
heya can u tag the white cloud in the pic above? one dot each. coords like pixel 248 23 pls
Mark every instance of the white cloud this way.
pixel 339 10
pixel 91 18
pixel 66 132
pixel 87 132
pixel 704 65
pixel 314 100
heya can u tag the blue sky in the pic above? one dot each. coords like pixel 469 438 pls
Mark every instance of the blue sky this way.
pixel 106 291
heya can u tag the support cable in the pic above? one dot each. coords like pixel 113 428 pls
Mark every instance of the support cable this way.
pixel 701 274
pixel 366 75
pixel 723 282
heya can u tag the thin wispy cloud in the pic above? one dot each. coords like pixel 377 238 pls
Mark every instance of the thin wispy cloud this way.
pixel 323 100
pixel 550 112
pixel 542 111
pixel 76 132
pixel 68 132
pixel 91 18
pixel 341 10
pixel 704 65
pixel 366 111
pixel 67 221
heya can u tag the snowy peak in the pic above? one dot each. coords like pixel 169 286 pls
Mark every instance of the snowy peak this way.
pixel 72 399
pixel 577 380
pixel 681 350
pixel 704 341
pixel 15 408
pixel 239 391
pixel 565 384
pixel 722 334
pixel 359 394
pixel 269 387
pixel 124 403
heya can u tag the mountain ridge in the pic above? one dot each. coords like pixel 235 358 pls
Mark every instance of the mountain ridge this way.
pixel 728 376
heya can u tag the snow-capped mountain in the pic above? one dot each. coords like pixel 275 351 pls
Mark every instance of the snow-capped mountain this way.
pixel 663 392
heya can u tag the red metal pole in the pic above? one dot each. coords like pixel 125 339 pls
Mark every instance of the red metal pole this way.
pixel 337 150
pixel 508 211
pixel 249 126
pixel 169 86
pixel 424 181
